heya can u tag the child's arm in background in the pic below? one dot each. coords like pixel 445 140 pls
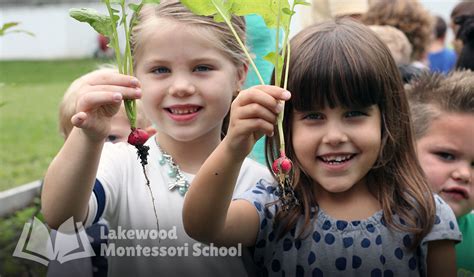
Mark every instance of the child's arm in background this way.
pixel 441 260
pixel 70 177
pixel 208 214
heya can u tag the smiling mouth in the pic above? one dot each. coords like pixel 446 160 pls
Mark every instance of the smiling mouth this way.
pixel 183 111
pixel 336 159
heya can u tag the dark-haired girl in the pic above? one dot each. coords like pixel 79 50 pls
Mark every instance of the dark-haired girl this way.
pixel 363 207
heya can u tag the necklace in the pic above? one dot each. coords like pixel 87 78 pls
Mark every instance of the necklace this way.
pixel 178 181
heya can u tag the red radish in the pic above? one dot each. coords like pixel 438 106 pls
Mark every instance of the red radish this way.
pixel 282 165
pixel 282 168
pixel 138 136
pixel 285 165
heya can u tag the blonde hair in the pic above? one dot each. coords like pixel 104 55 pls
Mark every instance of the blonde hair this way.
pixel 396 41
pixel 174 10
pixel 67 108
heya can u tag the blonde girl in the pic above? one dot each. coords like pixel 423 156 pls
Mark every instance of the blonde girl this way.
pixel 188 69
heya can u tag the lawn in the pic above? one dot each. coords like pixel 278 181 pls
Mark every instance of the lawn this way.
pixel 11 229
pixel 30 92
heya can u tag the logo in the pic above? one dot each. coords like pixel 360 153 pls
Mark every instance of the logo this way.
pixel 36 243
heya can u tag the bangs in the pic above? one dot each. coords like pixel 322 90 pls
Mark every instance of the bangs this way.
pixel 348 74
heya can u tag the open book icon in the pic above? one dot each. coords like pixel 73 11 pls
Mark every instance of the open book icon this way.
pixel 36 243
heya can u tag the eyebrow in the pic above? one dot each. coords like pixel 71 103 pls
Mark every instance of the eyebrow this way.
pixel 197 60
pixel 446 148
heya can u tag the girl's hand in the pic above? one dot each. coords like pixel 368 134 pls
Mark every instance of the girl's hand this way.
pixel 100 94
pixel 253 114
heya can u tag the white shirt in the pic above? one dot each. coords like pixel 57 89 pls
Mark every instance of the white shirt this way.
pixel 127 206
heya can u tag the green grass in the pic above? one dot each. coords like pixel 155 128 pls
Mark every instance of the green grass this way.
pixel 30 92
pixel 11 228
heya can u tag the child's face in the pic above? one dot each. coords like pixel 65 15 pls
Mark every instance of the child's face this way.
pixel 187 83
pixel 337 147
pixel 446 154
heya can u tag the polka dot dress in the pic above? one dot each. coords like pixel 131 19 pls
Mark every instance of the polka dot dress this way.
pixel 342 248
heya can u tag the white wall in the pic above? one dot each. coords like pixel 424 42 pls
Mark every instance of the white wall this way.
pixel 56 34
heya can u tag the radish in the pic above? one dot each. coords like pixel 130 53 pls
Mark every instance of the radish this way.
pixel 138 137
pixel 282 165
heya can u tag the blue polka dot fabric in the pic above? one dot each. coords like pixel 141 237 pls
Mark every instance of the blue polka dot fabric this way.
pixel 341 248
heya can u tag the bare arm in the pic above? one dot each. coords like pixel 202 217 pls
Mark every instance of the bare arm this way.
pixel 441 260
pixel 69 180
pixel 208 214
pixel 70 176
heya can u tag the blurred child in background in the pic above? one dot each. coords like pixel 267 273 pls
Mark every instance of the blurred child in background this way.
pixel 443 114
pixel 440 58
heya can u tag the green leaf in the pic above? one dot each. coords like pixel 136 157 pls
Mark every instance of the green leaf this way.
pixel 100 22
pixel 200 7
pixel 271 57
pixel 116 18
pixel 210 8
pixel 9 25
pixel 224 7
pixel 302 2
pixel 133 7
pixel 267 9
pixel 288 11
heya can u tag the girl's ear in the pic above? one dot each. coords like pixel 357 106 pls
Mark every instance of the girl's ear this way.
pixel 241 75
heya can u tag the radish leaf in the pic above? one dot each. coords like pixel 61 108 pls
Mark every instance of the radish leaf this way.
pixel 302 2
pixel 267 9
pixel 100 22
pixel 272 58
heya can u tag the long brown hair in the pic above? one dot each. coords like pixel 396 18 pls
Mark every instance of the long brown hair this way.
pixel 343 63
